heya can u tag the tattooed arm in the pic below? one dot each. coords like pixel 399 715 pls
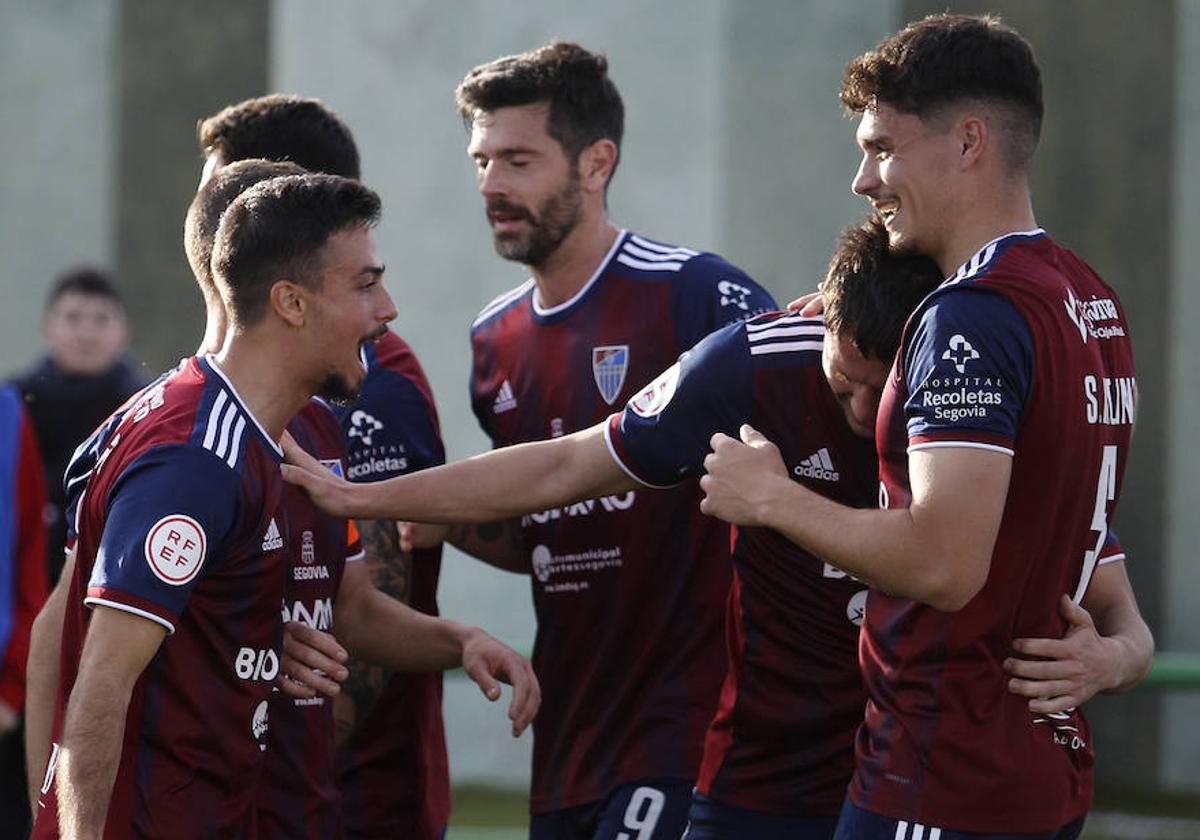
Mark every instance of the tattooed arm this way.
pixel 389 570
pixel 498 544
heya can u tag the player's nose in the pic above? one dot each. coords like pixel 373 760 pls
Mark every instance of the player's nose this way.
pixel 491 181
pixel 387 308
pixel 866 179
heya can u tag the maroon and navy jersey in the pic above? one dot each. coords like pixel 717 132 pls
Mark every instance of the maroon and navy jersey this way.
pixel 298 794
pixel 782 740
pixel 628 589
pixel 1024 351
pixel 178 525
pixel 394 771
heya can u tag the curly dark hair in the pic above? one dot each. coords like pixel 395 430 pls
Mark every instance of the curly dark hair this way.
pixel 277 228
pixel 585 105
pixel 282 127
pixel 870 290
pixel 943 60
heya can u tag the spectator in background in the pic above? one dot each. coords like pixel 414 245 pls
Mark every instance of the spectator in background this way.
pixel 23 587
pixel 83 377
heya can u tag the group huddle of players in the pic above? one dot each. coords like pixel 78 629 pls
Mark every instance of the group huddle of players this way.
pixel 844 571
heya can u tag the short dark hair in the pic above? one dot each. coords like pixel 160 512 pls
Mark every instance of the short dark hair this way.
pixel 870 290
pixel 84 280
pixel 282 127
pixel 211 200
pixel 276 228
pixel 943 60
pixel 585 105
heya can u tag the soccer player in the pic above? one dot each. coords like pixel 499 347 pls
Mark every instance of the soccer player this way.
pixel 778 755
pixel 392 762
pixel 1002 437
pixel 180 511
pixel 628 592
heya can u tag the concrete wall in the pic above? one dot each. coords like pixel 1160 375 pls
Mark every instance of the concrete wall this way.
pixel 57 117
pixel 1179 629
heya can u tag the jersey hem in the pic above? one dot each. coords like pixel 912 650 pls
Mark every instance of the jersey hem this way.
pixel 959 444
pixel 613 450
pixel 96 600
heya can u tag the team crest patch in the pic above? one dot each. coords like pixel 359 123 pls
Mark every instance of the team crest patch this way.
pixel 651 401
pixel 175 549
pixel 334 466
pixel 609 366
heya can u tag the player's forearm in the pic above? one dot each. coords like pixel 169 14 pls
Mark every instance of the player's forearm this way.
pixel 386 569
pixel 500 484
pixel 1131 643
pixel 498 544
pixel 41 682
pixel 91 752
pixel 892 550
pixel 380 630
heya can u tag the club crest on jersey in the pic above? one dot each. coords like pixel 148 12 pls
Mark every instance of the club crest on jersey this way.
pixel 960 352
pixel 609 366
pixel 334 465
pixel 175 549
pixel 651 401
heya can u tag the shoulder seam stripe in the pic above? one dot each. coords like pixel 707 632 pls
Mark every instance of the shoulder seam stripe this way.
pixel 652 256
pixel 779 332
pixel 663 249
pixel 210 433
pixel 785 320
pixel 785 347
pixel 226 424
pixel 502 301
pixel 641 265
pixel 235 442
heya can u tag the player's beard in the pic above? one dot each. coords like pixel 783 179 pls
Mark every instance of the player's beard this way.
pixel 335 389
pixel 549 226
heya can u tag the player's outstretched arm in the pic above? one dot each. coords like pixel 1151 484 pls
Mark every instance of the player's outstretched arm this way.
pixel 937 551
pixel 496 485
pixel 119 646
pixel 1107 647
pixel 378 629
pixel 41 679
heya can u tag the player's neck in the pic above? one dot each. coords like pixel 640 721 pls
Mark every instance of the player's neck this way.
pixel 560 277
pixel 982 223
pixel 260 371
pixel 214 333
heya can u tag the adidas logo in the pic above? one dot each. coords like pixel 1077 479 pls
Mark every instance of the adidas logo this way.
pixel 818 465
pixel 272 539
pixel 505 400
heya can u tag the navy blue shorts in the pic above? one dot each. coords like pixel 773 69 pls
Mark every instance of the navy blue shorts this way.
pixel 648 809
pixel 712 820
pixel 857 824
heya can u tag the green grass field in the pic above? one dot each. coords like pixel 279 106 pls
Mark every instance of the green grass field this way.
pixel 490 814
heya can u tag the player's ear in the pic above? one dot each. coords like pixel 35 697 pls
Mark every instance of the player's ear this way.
pixel 973 136
pixel 596 164
pixel 289 302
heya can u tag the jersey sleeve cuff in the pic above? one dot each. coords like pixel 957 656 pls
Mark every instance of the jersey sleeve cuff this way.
pixel 961 439
pixel 118 600
pixel 1111 558
pixel 619 453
